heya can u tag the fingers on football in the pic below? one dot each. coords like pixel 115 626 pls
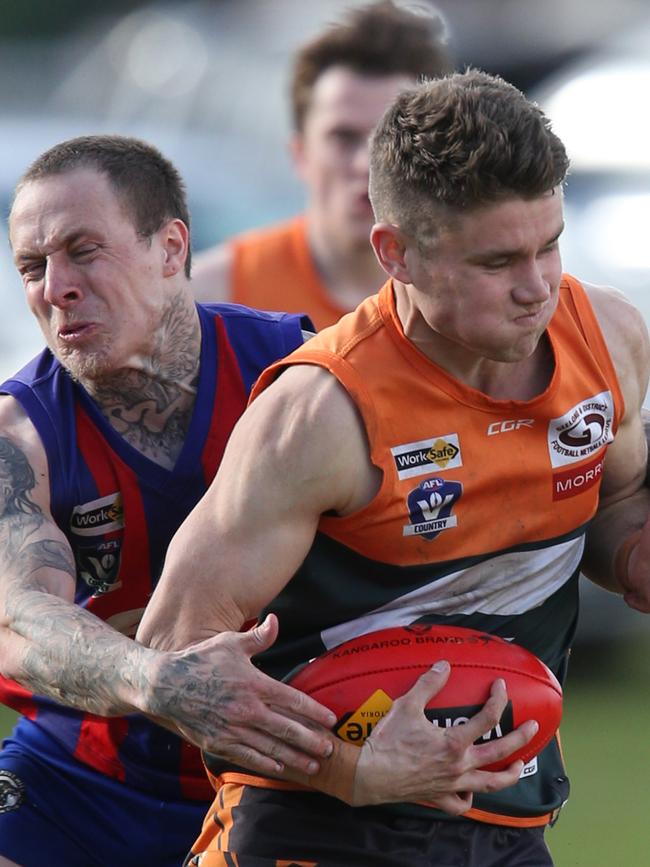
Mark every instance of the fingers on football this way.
pixel 492 781
pixel 488 716
pixel 427 685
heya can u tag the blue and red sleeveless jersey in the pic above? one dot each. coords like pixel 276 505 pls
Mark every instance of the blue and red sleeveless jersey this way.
pixel 119 511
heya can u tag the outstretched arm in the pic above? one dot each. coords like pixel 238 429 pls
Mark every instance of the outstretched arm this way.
pixel 300 450
pixel 59 650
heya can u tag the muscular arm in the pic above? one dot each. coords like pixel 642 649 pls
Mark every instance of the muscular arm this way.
pixel 298 451
pixel 48 644
pixel 625 500
pixel 211 274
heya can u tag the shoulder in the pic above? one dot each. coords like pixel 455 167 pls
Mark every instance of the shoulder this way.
pixel 20 443
pixel 245 323
pixel 626 335
pixel 313 426
pixel 211 271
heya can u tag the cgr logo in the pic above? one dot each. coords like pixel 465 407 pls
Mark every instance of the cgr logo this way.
pixel 498 427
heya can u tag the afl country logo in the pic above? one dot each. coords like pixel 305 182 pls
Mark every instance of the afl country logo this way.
pixel 581 431
pixel 96 529
pixel 430 506
pixel 12 791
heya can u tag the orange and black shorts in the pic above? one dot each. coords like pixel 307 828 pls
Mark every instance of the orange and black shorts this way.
pixel 251 826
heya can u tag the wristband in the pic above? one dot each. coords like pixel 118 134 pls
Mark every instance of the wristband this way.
pixel 337 772
pixel 622 558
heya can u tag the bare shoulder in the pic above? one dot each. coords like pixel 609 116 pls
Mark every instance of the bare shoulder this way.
pixel 211 272
pixel 22 455
pixel 314 431
pixel 16 425
pixel 626 335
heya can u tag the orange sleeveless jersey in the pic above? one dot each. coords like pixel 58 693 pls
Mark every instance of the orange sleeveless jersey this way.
pixel 506 472
pixel 481 516
pixel 273 269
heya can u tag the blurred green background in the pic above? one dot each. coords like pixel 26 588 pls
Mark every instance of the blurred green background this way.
pixel 606 741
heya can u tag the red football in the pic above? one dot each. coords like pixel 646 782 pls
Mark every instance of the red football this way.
pixel 360 678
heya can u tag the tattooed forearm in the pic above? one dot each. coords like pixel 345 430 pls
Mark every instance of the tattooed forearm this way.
pixel 50 645
pixel 75 658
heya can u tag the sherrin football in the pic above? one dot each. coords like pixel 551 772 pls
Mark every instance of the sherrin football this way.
pixel 360 678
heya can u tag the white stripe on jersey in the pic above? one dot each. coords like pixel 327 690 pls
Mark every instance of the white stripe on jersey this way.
pixel 507 584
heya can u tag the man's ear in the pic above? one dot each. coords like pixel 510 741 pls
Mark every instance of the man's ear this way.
pixel 390 246
pixel 175 240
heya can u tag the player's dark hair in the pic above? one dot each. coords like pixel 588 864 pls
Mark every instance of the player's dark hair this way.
pixel 149 186
pixel 379 39
pixel 461 141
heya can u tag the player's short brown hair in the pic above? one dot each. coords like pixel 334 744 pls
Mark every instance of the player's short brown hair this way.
pixel 382 38
pixel 149 186
pixel 459 142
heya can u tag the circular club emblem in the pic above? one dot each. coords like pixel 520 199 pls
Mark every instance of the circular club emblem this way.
pixel 12 791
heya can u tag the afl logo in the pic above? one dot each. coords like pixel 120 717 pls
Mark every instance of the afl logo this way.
pixel 582 430
pixel 12 791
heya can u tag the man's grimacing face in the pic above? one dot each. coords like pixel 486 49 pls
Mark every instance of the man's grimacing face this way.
pixel 490 283
pixel 94 285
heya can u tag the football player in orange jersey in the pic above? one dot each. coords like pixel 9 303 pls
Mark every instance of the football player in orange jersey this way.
pixel 453 451
pixel 321 262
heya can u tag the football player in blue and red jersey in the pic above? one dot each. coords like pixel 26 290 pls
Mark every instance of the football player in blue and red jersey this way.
pixel 107 440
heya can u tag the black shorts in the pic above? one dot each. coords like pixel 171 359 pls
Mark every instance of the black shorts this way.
pixel 249 826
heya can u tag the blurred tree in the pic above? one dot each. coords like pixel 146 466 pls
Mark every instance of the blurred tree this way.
pixel 43 17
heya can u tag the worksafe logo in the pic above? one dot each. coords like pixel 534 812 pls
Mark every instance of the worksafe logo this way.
pixel 98 516
pixel 581 431
pixel 355 727
pixel 419 458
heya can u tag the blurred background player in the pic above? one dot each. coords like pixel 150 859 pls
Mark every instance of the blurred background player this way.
pixel 321 262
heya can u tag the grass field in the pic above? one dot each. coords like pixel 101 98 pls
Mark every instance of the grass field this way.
pixel 606 741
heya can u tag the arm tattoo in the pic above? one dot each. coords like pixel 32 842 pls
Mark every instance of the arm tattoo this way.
pixel 72 656
pixel 191 692
pixel 77 659
pixel 49 553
